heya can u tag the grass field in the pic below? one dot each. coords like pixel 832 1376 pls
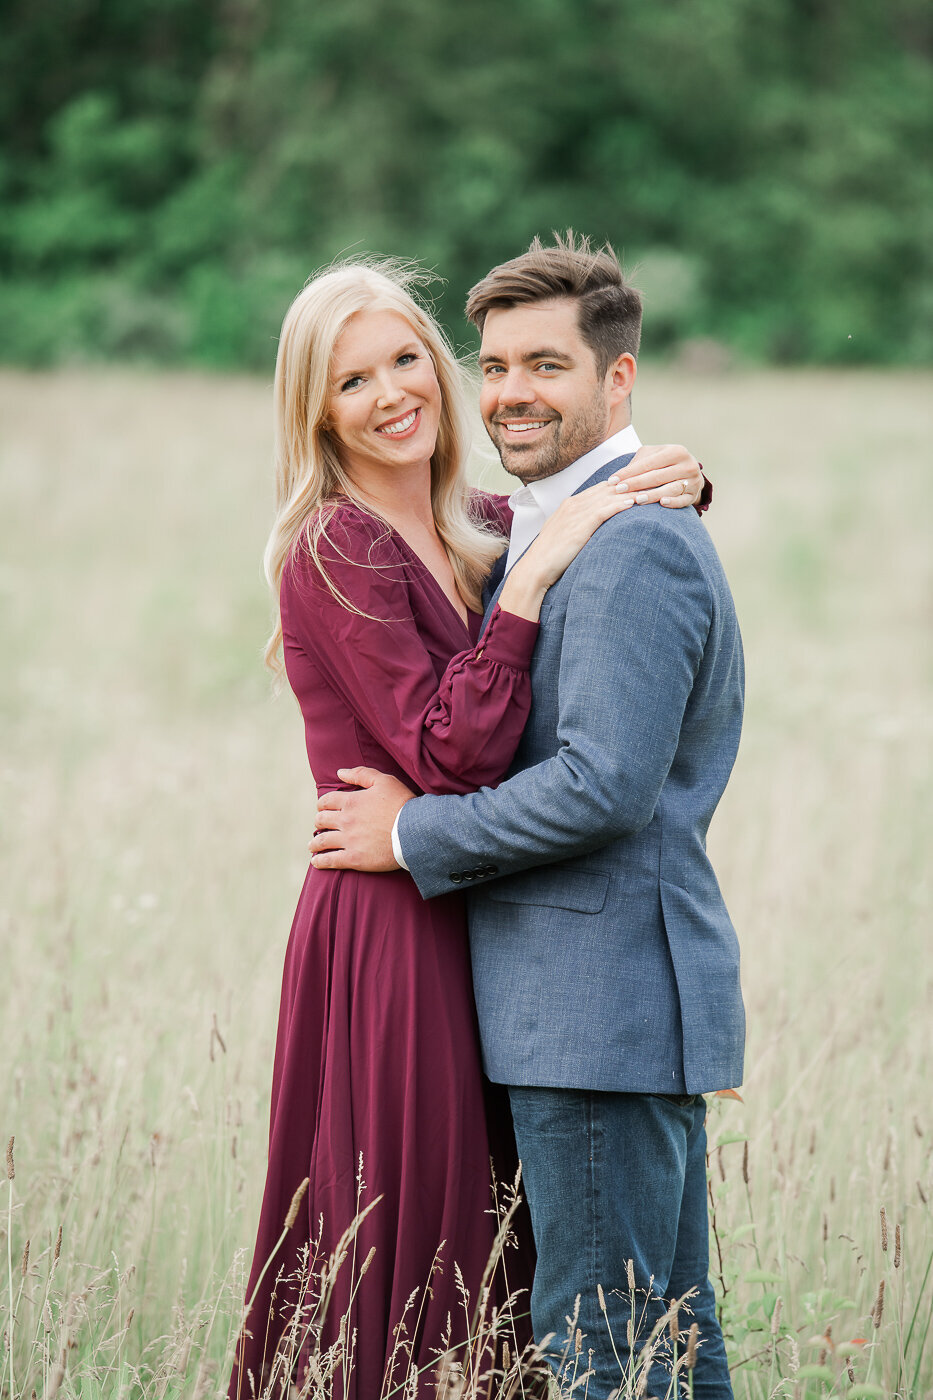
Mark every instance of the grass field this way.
pixel 154 809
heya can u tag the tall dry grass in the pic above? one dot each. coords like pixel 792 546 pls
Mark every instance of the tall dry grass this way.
pixel 154 809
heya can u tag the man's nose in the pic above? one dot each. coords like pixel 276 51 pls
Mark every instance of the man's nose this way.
pixel 516 387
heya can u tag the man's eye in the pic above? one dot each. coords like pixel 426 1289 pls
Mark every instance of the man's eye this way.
pixel 351 383
pixel 490 370
pixel 548 366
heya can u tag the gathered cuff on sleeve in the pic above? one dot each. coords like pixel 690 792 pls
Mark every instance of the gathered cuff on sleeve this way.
pixel 508 639
pixel 706 495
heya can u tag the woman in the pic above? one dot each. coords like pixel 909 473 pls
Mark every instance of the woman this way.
pixel 378 556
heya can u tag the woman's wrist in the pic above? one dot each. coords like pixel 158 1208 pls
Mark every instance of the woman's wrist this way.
pixel 522 596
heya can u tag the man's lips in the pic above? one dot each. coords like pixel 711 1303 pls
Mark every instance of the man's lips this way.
pixel 527 428
pixel 402 426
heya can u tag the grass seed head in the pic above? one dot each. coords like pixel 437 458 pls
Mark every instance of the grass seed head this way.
pixel 25 1264
pixel 691 1357
pixel 884 1231
pixel 745 1162
pixel 630 1275
pixel 897 1246
pixel 10 1169
pixel 776 1316
pixel 877 1312
pixel 58 1245
pixel 292 1215
pixel 601 1296
pixel 672 1324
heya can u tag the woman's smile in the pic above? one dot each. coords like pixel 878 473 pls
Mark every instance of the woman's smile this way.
pixel 403 426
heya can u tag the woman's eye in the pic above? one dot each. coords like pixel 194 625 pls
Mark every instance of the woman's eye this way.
pixel 407 359
pixel 351 383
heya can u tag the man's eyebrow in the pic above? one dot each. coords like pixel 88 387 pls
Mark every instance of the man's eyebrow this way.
pixel 547 352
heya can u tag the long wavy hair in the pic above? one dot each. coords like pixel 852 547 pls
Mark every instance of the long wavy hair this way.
pixel 309 476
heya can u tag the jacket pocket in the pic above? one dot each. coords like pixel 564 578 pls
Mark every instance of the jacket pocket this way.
pixel 555 887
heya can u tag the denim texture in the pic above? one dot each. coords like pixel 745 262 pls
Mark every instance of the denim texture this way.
pixel 610 1178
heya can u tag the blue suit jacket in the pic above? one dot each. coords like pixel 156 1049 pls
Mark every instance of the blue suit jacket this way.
pixel 603 954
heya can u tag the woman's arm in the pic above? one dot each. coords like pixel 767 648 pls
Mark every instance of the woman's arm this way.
pixel 447 734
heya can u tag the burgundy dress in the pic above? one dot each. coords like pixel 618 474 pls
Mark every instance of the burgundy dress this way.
pixel 377 1055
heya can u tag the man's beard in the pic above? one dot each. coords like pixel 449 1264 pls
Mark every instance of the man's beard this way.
pixel 571 439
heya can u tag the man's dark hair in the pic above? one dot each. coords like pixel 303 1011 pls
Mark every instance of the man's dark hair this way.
pixel 609 308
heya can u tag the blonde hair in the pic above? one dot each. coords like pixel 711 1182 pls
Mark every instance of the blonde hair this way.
pixel 309 476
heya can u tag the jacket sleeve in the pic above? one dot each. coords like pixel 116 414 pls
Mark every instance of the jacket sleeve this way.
pixel 449 732
pixel 637 620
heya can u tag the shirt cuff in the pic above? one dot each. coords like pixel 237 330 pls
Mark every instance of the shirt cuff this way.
pixel 508 639
pixel 397 844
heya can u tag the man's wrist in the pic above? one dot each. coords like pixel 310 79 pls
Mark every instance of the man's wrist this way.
pixel 397 843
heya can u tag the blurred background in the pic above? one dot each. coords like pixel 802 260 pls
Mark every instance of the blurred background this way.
pixel 173 171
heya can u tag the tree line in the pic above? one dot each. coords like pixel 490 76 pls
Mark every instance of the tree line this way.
pixel 173 170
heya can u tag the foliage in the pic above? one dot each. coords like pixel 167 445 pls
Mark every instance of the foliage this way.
pixel 174 171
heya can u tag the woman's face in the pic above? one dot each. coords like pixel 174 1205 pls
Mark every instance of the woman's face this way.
pixel 385 401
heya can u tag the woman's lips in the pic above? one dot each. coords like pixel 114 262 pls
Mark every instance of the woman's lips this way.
pixel 402 426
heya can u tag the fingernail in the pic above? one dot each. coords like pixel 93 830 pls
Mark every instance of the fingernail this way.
pixel 613 481
pixel 627 504
pixel 641 498
pixel 622 485
pixel 666 500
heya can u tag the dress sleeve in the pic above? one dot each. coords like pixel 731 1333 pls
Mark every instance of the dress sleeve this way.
pixel 706 495
pixel 449 734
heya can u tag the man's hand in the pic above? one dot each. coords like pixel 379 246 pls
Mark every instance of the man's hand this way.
pixel 354 829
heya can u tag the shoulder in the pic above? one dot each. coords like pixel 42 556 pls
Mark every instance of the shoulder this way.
pixel 644 543
pixel 489 508
pixel 342 545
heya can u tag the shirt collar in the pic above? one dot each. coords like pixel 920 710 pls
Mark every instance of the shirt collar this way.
pixel 551 491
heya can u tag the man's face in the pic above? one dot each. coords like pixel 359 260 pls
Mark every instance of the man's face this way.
pixel 543 402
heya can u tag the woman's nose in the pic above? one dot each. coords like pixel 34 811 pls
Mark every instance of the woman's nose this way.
pixel 390 391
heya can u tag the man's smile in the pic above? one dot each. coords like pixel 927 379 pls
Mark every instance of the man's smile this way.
pixel 518 427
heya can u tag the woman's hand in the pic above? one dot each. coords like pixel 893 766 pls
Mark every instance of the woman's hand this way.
pixel 669 474
pixel 560 541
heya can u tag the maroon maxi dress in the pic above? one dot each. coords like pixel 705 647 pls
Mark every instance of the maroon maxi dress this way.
pixel 377 1055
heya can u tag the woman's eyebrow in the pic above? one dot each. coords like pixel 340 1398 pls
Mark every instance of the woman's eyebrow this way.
pixel 352 372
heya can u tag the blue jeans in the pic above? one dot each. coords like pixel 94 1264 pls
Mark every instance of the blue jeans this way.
pixel 611 1178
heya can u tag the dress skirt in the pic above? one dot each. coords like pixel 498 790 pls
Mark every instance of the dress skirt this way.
pixel 377 1092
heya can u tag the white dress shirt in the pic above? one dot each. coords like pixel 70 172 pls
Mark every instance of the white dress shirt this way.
pixel 534 504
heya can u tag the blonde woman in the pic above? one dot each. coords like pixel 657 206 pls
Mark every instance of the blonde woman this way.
pixel 377 559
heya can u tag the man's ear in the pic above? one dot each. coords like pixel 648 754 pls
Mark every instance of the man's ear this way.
pixel 622 378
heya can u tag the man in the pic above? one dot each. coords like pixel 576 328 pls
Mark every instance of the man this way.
pixel 605 965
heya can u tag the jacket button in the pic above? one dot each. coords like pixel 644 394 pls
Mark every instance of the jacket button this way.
pixel 456 877
pixel 492 870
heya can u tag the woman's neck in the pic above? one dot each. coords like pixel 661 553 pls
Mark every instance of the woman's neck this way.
pixel 399 495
